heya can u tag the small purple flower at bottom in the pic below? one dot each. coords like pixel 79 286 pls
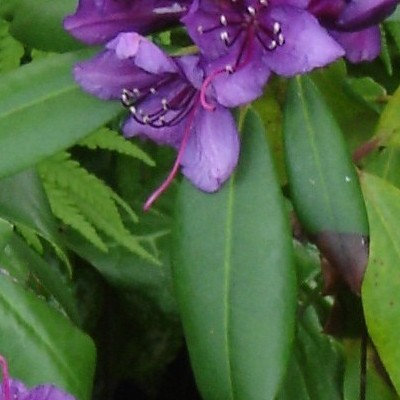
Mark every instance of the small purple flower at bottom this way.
pixel 167 105
pixel 12 389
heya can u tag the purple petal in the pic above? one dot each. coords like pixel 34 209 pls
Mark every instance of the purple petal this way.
pixel 212 151
pixel 168 135
pixel 360 46
pixel 97 21
pixel 117 67
pixel 360 14
pixel 48 392
pixel 307 45
pixel 242 86
pixel 202 20
pixel 18 390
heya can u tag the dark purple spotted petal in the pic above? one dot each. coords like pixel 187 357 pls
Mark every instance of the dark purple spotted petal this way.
pixel 98 21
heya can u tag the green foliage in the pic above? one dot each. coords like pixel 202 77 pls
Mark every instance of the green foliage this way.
pixel 108 139
pixel 84 202
pixel 236 262
pixel 11 51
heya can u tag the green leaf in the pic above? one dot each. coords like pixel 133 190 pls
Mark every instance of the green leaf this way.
pixel 65 209
pixel 23 263
pixel 24 203
pixel 43 111
pixel 11 51
pixel 356 120
pixel 367 91
pixel 376 387
pixel 108 139
pixel 315 369
pixel 94 200
pixel 39 24
pixel 132 274
pixel 41 345
pixel 324 185
pixel 235 277
pixel 388 129
pixel 380 292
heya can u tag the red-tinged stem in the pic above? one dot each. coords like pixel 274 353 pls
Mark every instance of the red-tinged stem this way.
pixel 6 378
pixel 150 201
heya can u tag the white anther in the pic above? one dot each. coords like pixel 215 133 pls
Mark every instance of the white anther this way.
pixel 276 27
pixel 272 45
pixel 281 39
pixel 164 103
pixel 263 2
pixel 200 29
pixel 153 91
pixel 161 120
pixel 224 36
pixel 146 119
pixel 132 109
pixel 223 20
pixel 229 69
pixel 251 10
pixel 136 92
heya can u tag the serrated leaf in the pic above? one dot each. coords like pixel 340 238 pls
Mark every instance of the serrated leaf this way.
pixel 69 213
pixel 41 345
pixel 235 278
pixel 92 198
pixel 108 139
pixel 11 51
pixel 380 291
pixel 31 238
pixel 42 111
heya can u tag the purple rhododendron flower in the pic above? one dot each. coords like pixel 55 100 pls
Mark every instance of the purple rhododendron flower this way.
pixel 12 389
pixel 246 40
pixel 97 21
pixel 353 24
pixel 166 105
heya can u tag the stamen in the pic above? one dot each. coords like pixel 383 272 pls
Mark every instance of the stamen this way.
pixel 150 201
pixel 276 28
pixel 251 10
pixel 6 378
pixel 200 29
pixel 223 20
pixel 153 90
pixel 224 37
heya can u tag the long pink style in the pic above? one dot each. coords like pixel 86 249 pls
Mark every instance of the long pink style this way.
pixel 6 379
